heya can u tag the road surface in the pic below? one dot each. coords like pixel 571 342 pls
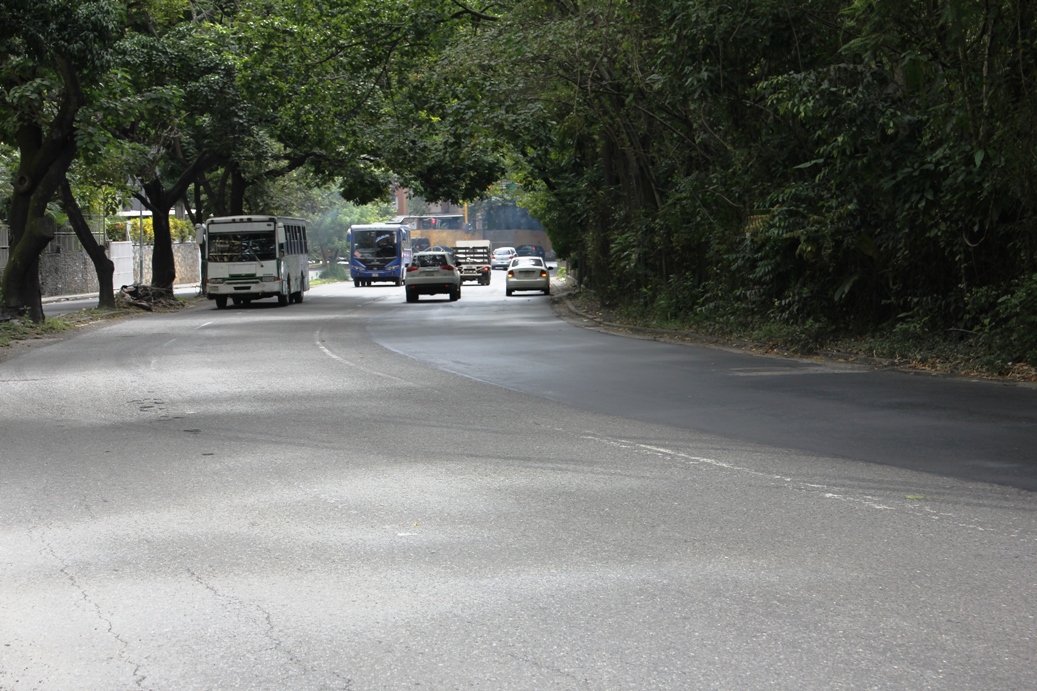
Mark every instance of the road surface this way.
pixel 358 493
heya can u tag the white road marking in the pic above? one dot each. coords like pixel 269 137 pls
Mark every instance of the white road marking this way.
pixel 819 489
pixel 332 355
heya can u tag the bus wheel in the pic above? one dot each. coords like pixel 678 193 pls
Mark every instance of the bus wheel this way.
pixel 221 302
pixel 398 283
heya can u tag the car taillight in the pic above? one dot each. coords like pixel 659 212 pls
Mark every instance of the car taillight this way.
pixel 543 274
pixel 411 268
pixel 511 274
pixel 447 267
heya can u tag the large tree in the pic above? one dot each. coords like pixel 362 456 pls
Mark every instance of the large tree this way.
pixel 48 48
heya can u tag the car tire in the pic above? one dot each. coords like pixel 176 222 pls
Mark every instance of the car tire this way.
pixel 509 291
pixel 455 294
pixel 221 302
pixel 547 290
pixel 412 295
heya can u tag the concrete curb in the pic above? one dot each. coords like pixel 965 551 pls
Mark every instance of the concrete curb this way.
pixel 187 287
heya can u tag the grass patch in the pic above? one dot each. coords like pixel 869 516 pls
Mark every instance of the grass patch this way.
pixel 325 281
pixel 24 330
pixel 18 330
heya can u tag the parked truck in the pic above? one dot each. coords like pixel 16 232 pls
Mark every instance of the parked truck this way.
pixel 473 260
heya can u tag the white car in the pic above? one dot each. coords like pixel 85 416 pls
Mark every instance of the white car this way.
pixel 528 273
pixel 432 273
pixel 502 256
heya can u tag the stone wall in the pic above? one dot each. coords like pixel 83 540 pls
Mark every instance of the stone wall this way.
pixel 186 256
pixel 67 273
pixel 72 272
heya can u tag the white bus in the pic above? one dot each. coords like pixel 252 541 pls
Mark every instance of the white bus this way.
pixel 246 258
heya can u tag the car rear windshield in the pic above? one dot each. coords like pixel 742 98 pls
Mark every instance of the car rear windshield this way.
pixel 430 260
pixel 527 261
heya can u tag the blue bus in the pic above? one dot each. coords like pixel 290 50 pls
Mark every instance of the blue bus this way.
pixel 378 252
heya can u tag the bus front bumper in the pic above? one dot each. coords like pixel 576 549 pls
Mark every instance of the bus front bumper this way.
pixel 250 289
pixel 380 275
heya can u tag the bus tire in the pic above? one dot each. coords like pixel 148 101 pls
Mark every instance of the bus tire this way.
pixel 221 302
pixel 356 282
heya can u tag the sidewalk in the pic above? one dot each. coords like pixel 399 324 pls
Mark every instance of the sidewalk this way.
pixel 180 289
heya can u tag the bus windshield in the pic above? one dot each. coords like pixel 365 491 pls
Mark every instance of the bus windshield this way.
pixel 242 247
pixel 374 243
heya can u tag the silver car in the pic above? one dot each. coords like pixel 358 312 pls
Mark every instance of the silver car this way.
pixel 528 273
pixel 432 273
pixel 502 256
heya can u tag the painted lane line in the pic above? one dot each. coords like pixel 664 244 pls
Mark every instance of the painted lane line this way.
pixel 876 503
pixel 353 364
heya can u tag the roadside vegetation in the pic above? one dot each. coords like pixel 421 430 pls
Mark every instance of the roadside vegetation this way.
pixel 897 346
pixel 15 330
pixel 816 173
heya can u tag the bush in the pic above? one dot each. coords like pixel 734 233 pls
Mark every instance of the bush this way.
pixel 1014 327
pixel 181 230
pixel 335 272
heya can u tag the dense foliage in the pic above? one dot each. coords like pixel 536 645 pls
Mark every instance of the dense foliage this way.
pixel 215 105
pixel 842 166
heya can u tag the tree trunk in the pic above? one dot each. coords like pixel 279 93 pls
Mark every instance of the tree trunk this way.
pixel 238 185
pixel 103 266
pixel 44 157
pixel 163 264
pixel 158 200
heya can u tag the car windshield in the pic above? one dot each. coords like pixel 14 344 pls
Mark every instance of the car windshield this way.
pixel 430 260
pixel 527 261
pixel 242 247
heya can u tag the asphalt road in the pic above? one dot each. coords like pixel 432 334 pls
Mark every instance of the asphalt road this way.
pixel 357 493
